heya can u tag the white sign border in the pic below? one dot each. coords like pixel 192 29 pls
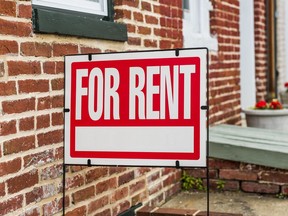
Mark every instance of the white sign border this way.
pixel 202 53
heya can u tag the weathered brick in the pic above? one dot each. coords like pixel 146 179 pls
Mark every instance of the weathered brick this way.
pixel 134 41
pixel 19 145
pixel 105 212
pixel 7 128
pixel 137 186
pixel 32 212
pixel 22 181
pixel 22 67
pixel 52 207
pixel 86 50
pixel 36 49
pixel 10 167
pixel 60 49
pixel 2 189
pixel 7 88
pixel 274 176
pixel 11 204
pixel 255 187
pixel 74 181
pixel 51 172
pixel 146 6
pixel 35 195
pixel 58 101
pixel 39 158
pixel 59 153
pixel 83 194
pixel 29 86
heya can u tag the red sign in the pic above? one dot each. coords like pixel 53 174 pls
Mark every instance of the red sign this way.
pixel 124 111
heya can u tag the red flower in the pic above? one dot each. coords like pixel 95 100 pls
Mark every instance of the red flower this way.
pixel 275 104
pixel 261 105
pixel 286 85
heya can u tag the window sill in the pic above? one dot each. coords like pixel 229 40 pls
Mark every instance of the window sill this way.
pixel 75 24
pixel 202 41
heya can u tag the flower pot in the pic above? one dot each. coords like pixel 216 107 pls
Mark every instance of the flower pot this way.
pixel 270 119
pixel 284 97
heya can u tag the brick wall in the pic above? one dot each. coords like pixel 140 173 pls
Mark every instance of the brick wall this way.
pixel 31 122
pixel 224 71
pixel 237 176
pixel 261 57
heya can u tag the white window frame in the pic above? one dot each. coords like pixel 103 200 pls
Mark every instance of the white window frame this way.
pixel 196 25
pixel 85 6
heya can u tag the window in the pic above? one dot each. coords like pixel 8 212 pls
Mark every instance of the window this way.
pixel 87 6
pixel 84 18
pixel 196 24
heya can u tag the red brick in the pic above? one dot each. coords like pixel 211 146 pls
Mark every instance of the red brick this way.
pixel 138 16
pixel 28 86
pixel 21 67
pixel 150 43
pixel 10 167
pixel 98 204
pixel 106 185
pixel 58 101
pixel 134 41
pixel 146 6
pixel 26 124
pixel 57 84
pixel 39 158
pixel 21 29
pixel 36 49
pixel 24 11
pixel 22 181
pixel 223 164
pixel 64 49
pixel 151 20
pixel 8 8
pixel 119 194
pixel 18 106
pixel 50 137
pixel 2 189
pixel 19 145
pixel 52 207
pixel 126 177
pixel 7 88
pixel 78 211
pixel 8 47
pixel 255 187
pixel 86 50
pixel 2 70
pixel 7 128
pixel 57 118
pixel 144 30
pixel 116 170
pixel 44 103
pixel 284 190
pixel 43 121
pixel 11 205
pixel 36 195
pixel 95 174
pixel 59 153
pixel 126 14
pixel 274 176
pixel 131 3
pixel 32 212
pixel 238 175
pixel 106 212
pixel 83 194
pixel 137 186
pixel 74 181
pixel 165 44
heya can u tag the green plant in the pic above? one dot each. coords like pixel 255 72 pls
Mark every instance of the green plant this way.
pixel 220 184
pixel 190 182
pixel 282 196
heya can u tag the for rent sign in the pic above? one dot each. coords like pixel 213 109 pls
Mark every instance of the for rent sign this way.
pixel 136 108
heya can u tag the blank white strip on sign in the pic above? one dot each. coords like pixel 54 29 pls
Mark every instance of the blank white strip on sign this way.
pixel 135 139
